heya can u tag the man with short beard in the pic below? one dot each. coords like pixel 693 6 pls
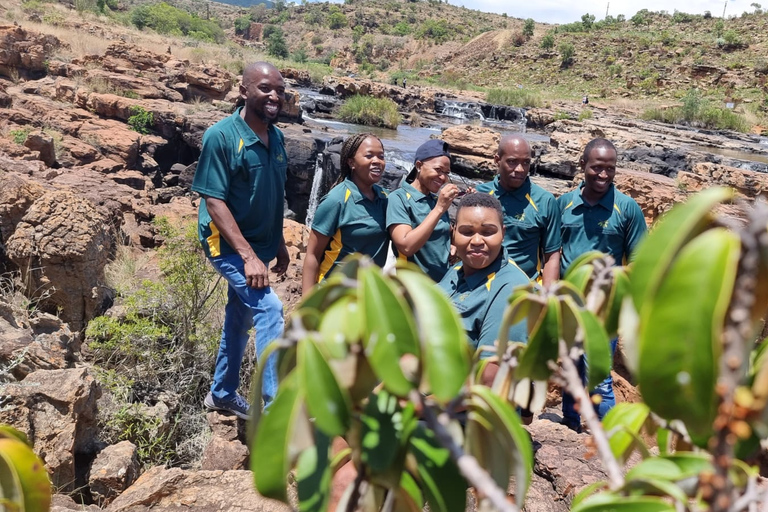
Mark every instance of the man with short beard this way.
pixel 241 176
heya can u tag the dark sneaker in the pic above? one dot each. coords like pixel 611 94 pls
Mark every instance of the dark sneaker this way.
pixel 237 406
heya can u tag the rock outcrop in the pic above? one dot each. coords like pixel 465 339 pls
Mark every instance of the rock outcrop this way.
pixel 116 467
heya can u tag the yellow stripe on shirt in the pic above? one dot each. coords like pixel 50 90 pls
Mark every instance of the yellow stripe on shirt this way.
pixel 331 255
pixel 528 197
pixel 240 147
pixel 491 277
pixel 214 241
pixel 616 208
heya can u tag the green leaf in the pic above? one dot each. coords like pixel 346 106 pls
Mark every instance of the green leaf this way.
pixel 655 467
pixel 506 421
pixel 680 347
pixel 580 277
pixel 313 475
pixel 24 483
pixel 653 486
pixel 671 233
pixel 409 497
pixel 390 330
pixel 519 304
pixel 624 416
pixel 542 347
pixel 690 463
pixel 586 492
pixel 605 502
pixel 340 327
pixel 445 350
pixel 582 261
pixel 440 479
pixel 612 309
pixel 662 440
pixel 327 402
pixel 271 456
pixel 597 348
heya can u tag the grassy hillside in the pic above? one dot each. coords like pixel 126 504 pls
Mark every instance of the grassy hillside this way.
pixel 651 58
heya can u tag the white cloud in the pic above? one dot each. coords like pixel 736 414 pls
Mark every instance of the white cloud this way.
pixel 562 11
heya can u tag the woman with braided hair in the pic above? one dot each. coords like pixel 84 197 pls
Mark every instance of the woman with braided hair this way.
pixel 352 216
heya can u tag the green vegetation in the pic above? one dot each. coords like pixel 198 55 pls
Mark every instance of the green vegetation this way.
pixel 276 45
pixel 141 120
pixel 436 30
pixel 514 97
pixel 548 41
pixel 19 135
pixel 337 19
pixel 167 19
pixel 699 112
pixel 370 111
pixel 567 50
pixel 165 342
pixel 701 418
pixel 585 114
pixel 528 27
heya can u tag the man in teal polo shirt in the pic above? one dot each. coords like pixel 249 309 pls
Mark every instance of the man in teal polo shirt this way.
pixel 531 216
pixel 597 217
pixel 241 177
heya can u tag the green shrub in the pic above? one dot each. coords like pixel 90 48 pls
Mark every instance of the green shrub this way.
pixel 242 24
pixel 167 19
pixel 514 97
pixel 370 111
pixel 560 115
pixel 437 30
pixel 276 45
pixel 402 29
pixel 528 27
pixel 567 51
pixel 548 42
pixel 585 114
pixel 697 111
pixel 142 120
pixel 19 136
pixel 337 20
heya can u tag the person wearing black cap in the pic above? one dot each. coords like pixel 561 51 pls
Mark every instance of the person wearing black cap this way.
pixel 417 214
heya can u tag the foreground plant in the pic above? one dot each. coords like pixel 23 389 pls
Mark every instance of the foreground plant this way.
pixel 367 356
pixel 24 483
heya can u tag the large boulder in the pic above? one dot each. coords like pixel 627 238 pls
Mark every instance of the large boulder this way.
pixel 25 52
pixel 56 409
pixel 203 491
pixel 61 246
pixel 116 467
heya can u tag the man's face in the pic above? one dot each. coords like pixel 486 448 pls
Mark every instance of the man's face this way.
pixel 599 170
pixel 264 93
pixel 514 163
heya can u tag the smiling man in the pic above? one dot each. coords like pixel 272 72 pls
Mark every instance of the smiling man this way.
pixel 531 216
pixel 241 177
pixel 597 217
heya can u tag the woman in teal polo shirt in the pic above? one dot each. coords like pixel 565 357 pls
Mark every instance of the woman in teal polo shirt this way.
pixel 417 214
pixel 351 217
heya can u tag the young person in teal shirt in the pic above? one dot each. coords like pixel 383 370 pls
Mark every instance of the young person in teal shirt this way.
pixel 597 217
pixel 531 215
pixel 481 284
pixel 351 217
pixel 417 214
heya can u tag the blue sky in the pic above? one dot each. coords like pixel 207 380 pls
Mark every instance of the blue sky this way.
pixel 562 11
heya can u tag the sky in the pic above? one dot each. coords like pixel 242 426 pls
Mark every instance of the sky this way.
pixel 566 11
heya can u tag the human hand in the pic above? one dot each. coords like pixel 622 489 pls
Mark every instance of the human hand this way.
pixel 283 259
pixel 447 194
pixel 256 275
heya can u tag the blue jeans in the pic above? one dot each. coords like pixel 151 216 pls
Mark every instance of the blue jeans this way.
pixel 246 307
pixel 604 389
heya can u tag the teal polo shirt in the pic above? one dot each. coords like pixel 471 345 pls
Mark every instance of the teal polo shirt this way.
pixel 236 167
pixel 354 223
pixel 532 222
pixel 613 226
pixel 482 297
pixel 409 206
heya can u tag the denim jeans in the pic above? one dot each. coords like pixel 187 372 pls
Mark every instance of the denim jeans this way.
pixel 246 307
pixel 604 389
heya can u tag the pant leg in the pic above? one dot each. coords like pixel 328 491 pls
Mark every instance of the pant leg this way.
pixel 265 312
pixel 604 389
pixel 234 337
pixel 571 418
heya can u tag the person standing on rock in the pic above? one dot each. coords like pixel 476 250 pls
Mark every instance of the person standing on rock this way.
pixel 351 218
pixel 531 215
pixel 417 215
pixel 597 217
pixel 241 177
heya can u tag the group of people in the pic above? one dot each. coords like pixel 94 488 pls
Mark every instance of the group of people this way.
pixel 506 233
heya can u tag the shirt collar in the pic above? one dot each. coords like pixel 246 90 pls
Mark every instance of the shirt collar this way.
pixel 357 196
pixel 607 201
pixel 481 276
pixel 245 132
pixel 521 191
pixel 413 191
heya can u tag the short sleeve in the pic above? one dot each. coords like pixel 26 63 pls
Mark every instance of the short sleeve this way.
pixel 328 215
pixel 494 315
pixel 212 175
pixel 552 238
pixel 397 210
pixel 636 229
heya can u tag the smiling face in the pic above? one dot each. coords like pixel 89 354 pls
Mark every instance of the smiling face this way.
pixel 478 237
pixel 514 162
pixel 433 173
pixel 368 163
pixel 599 171
pixel 263 90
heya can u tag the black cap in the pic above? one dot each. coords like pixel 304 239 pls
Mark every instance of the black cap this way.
pixel 433 148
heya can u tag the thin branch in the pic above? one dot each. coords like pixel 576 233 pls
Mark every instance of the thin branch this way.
pixel 467 464
pixel 576 389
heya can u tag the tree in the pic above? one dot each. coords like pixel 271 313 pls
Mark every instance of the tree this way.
pixel 367 356
pixel 528 27
pixel 242 24
pixel 548 42
pixel 337 20
pixel 276 45
pixel 587 20
pixel 566 50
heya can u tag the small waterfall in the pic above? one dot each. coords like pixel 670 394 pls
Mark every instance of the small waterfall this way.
pixel 461 110
pixel 314 195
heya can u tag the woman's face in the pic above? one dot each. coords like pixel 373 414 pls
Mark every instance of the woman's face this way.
pixel 368 163
pixel 478 237
pixel 433 173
